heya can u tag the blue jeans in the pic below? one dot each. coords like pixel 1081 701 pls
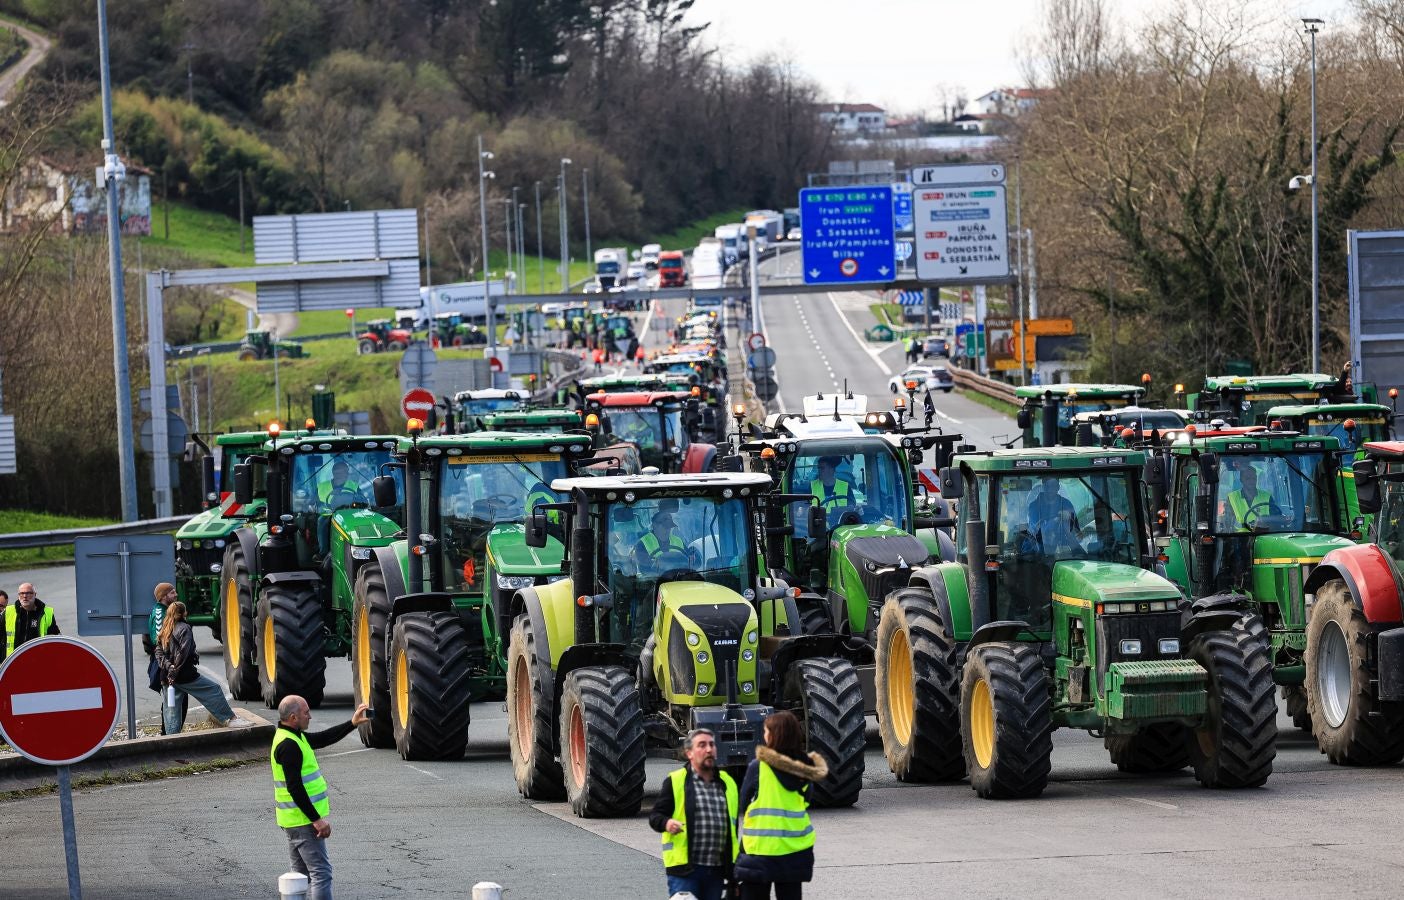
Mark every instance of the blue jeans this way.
pixel 309 856
pixel 204 690
pixel 704 882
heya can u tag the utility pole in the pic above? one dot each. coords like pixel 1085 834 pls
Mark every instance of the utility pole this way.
pixel 565 231
pixel 1312 26
pixel 241 210
pixel 585 189
pixel 540 256
pixel 507 228
pixel 112 173
pixel 516 238
pixel 483 176
pixel 1019 263
pixel 521 248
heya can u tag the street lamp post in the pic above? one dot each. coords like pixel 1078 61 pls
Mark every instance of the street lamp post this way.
pixel 565 231
pixel 516 237
pixel 521 248
pixel 1311 26
pixel 540 255
pixel 585 190
pixel 507 228
pixel 483 176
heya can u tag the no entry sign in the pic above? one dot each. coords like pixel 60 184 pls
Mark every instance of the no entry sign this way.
pixel 418 403
pixel 58 700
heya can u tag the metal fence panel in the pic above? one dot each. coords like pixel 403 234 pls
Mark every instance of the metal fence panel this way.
pixel 9 463
pixel 399 290
pixel 1376 270
pixel 337 237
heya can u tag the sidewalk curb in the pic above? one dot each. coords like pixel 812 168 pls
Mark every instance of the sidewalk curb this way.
pixel 150 754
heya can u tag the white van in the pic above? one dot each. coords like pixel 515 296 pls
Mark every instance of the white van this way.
pixel 648 255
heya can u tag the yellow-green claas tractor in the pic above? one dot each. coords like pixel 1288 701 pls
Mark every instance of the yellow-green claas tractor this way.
pixel 666 624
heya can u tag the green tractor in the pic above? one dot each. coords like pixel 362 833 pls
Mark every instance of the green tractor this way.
pixel 260 345
pixel 200 543
pixel 1051 617
pixel 424 646
pixel 664 624
pixel 1249 399
pixel 1048 414
pixel 286 578
pixel 1251 514
pixel 539 420
pixel 452 329
pixel 664 425
pixel 470 406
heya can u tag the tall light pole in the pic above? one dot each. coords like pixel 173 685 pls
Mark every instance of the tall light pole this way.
pixel 1311 26
pixel 1019 262
pixel 565 231
pixel 521 247
pixel 585 190
pixel 483 176
pixel 507 227
pixel 540 255
pixel 516 236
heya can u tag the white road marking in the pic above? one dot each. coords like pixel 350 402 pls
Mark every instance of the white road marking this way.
pixel 1155 803
pixel 862 345
pixel 420 771
pixel 349 752
pixel 56 701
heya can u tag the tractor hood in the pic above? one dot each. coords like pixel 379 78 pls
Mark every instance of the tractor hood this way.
pixel 363 526
pixel 508 553
pixel 1302 548
pixel 868 562
pixel 705 632
pixel 1082 579
pixel 207 525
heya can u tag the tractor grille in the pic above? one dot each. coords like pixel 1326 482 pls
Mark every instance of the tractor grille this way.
pixel 194 562
pixel 723 626
pixel 879 564
pixel 1147 628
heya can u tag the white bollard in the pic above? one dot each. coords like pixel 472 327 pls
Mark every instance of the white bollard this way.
pixel 292 886
pixel 487 890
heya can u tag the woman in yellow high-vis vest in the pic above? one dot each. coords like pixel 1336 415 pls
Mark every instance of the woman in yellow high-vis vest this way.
pixel 777 838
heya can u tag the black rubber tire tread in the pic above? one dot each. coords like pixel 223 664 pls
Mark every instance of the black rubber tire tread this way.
pixel 299 640
pixel 615 752
pixel 436 649
pixel 247 353
pixel 933 752
pixel 538 774
pixel 1295 698
pixel 814 618
pixel 370 594
pixel 1155 748
pixel 365 347
pixel 1241 720
pixel 241 675
pixel 827 696
pixel 1023 726
pixel 1372 734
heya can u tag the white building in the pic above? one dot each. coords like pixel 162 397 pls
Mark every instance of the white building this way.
pixel 853 118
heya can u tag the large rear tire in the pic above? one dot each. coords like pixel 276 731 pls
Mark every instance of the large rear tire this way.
pixel 1295 696
pixel 366 346
pixel 236 616
pixel 1235 745
pixel 370 671
pixel 827 696
pixel 1351 727
pixel 530 724
pixel 1155 748
pixel 1005 721
pixel 429 671
pixel 602 742
pixel 291 640
pixel 918 689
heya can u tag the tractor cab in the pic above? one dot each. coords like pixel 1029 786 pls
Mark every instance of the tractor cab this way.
pixel 662 424
pixel 382 335
pixel 534 421
pixel 452 329
pixel 1047 417
pixel 1353 425
pixel 1250 399
pixel 259 344
pixel 470 406
pixel 1106 427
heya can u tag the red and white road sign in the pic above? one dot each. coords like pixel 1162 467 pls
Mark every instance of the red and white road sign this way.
pixel 58 700
pixel 849 267
pixel 495 363
pixel 417 403
pixel 755 341
pixel 930 479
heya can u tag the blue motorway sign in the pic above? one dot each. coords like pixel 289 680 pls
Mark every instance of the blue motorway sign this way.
pixel 847 234
pixel 902 219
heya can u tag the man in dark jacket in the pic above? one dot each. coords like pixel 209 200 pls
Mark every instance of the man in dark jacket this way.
pixel 28 619
pixel 696 815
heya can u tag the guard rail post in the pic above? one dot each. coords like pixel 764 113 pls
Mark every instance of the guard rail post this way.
pixel 292 886
pixel 487 890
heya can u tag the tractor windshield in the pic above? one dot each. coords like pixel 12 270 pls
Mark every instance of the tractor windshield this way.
pixel 1368 428
pixel 1274 493
pixel 855 482
pixel 673 539
pixel 325 482
pixel 1071 406
pixel 655 430
pixel 478 493
pixel 229 457
pixel 483 406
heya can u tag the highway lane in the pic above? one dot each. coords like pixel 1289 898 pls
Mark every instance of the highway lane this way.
pixel 818 341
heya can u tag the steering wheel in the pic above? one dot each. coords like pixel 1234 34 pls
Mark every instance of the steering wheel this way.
pixel 681 573
pixel 500 500
pixel 1251 514
pixel 850 515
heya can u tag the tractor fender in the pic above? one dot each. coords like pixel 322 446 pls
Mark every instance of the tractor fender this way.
pixel 429 601
pixel 792 650
pixel 393 570
pixel 1369 574
pixel 699 458
pixel 1003 630
pixel 248 543
pixel 295 577
pixel 946 582
pixel 1217 612
pixel 528 601
pixel 946 545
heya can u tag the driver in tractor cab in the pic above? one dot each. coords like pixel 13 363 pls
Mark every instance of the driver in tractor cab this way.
pixel 538 495
pixel 340 492
pixel 833 492
pixel 1053 521
pixel 1247 503
pixel 660 539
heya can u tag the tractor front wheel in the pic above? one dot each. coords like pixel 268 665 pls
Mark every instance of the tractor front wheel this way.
pixel 236 616
pixel 1235 745
pixel 602 742
pixel 530 683
pixel 1296 699
pixel 828 698
pixel 248 353
pixel 918 689
pixel 1351 727
pixel 290 643
pixel 429 688
pixel 1006 721
pixel 370 673
pixel 1155 748
pixel 366 347
pixel 395 346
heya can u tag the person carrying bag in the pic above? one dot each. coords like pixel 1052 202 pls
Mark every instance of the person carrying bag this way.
pixel 777 838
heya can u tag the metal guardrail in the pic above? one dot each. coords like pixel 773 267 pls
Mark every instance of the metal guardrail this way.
pixel 970 381
pixel 24 540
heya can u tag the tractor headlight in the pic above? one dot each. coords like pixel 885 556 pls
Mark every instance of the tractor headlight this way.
pixel 1130 647
pixel 219 544
pixel 751 636
pixel 555 578
pixel 747 687
pixel 185 545
pixel 747 655
pixel 693 640
pixel 1169 646
pixel 702 657
pixel 361 553
pixel 514 582
pixel 216 568
pixel 704 689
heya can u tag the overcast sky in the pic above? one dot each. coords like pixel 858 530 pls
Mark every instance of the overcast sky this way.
pixel 905 54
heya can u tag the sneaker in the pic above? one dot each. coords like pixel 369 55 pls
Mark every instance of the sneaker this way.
pixel 237 722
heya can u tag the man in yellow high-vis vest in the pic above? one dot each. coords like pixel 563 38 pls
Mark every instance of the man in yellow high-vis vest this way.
pixel 696 816
pixel 300 790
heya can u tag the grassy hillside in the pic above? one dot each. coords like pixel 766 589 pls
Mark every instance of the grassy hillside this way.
pixel 13 521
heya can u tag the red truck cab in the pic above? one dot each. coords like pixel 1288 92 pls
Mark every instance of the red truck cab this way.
pixel 672 269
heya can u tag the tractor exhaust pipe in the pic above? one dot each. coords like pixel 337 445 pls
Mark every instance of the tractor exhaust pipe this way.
pixel 1050 420
pixel 207 483
pixel 977 580
pixel 582 570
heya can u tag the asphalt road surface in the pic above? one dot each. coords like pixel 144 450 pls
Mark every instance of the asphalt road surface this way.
pixel 434 829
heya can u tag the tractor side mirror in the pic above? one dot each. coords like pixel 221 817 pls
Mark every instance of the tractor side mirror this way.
pixel 1367 486
pixel 383 487
pixel 818 520
pixel 1024 419
pixel 1154 473
pixel 274 485
pixel 1209 467
pixel 243 484
pixel 952 488
pixel 536 529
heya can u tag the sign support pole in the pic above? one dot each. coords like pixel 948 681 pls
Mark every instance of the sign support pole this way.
pixel 70 833
pixel 124 554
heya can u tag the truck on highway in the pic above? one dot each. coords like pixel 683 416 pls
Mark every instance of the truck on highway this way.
pixel 648 255
pixel 707 265
pixel 733 241
pixel 466 297
pixel 672 269
pixel 609 266
pixel 768 224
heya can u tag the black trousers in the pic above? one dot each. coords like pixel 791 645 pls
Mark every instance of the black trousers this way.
pixel 791 890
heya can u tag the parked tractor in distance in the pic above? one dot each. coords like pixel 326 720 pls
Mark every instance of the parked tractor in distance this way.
pixel 381 335
pixel 260 345
pixel 1047 416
